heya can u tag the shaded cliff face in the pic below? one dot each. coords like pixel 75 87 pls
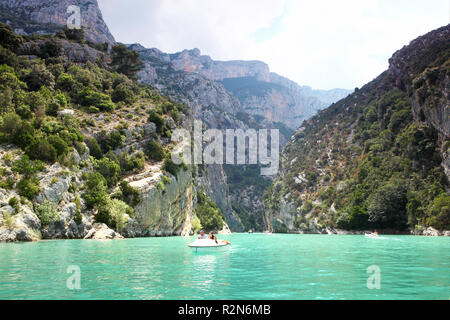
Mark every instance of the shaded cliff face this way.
pixel 272 101
pixel 48 16
pixel 376 159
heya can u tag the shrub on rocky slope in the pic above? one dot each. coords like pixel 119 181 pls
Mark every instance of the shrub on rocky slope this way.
pixel 54 113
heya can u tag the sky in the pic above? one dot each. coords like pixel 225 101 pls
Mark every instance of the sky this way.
pixel 321 43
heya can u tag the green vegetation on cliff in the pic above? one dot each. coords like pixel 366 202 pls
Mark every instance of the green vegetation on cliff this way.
pixel 369 161
pixel 54 109
pixel 209 215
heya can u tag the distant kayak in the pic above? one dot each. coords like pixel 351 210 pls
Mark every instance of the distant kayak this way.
pixel 371 235
pixel 207 244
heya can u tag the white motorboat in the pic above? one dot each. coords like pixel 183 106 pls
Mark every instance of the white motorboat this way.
pixel 209 245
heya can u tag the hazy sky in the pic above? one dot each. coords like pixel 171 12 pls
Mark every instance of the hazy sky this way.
pixel 321 43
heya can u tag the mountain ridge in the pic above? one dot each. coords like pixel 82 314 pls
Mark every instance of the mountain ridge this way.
pixel 297 102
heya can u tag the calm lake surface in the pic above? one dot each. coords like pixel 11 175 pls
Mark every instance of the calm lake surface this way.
pixel 257 266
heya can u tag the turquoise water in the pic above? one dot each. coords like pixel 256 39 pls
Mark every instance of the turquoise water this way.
pixel 257 266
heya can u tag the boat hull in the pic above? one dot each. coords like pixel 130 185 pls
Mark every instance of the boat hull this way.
pixel 210 249
pixel 209 246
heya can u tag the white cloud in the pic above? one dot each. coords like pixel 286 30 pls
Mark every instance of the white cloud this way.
pixel 325 44
pixel 220 28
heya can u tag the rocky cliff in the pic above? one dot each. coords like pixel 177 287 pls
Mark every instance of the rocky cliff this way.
pixel 96 165
pixel 162 213
pixel 193 61
pixel 48 16
pixel 424 73
pixel 272 101
pixel 376 159
pixel 209 102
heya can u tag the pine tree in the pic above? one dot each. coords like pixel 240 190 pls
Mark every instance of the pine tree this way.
pixel 125 61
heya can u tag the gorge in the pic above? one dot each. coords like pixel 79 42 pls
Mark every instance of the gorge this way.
pixel 377 157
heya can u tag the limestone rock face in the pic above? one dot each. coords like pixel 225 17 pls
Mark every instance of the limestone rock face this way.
pixel 212 103
pixel 214 182
pixel 193 61
pixel 166 212
pixel 225 230
pixel 48 16
pixel 8 235
pixel 54 192
pixel 22 223
pixel 100 231
pixel 66 227
pixel 431 232
pixel 24 227
pixel 149 128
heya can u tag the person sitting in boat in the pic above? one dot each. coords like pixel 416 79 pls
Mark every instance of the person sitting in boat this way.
pixel 202 235
pixel 212 237
pixel 375 233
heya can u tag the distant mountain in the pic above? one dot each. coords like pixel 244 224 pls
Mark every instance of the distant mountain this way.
pixel 380 158
pixel 48 17
pixel 327 97
pixel 261 92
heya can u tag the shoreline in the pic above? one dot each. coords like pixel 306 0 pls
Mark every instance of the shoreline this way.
pixel 442 234
pixel 426 232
